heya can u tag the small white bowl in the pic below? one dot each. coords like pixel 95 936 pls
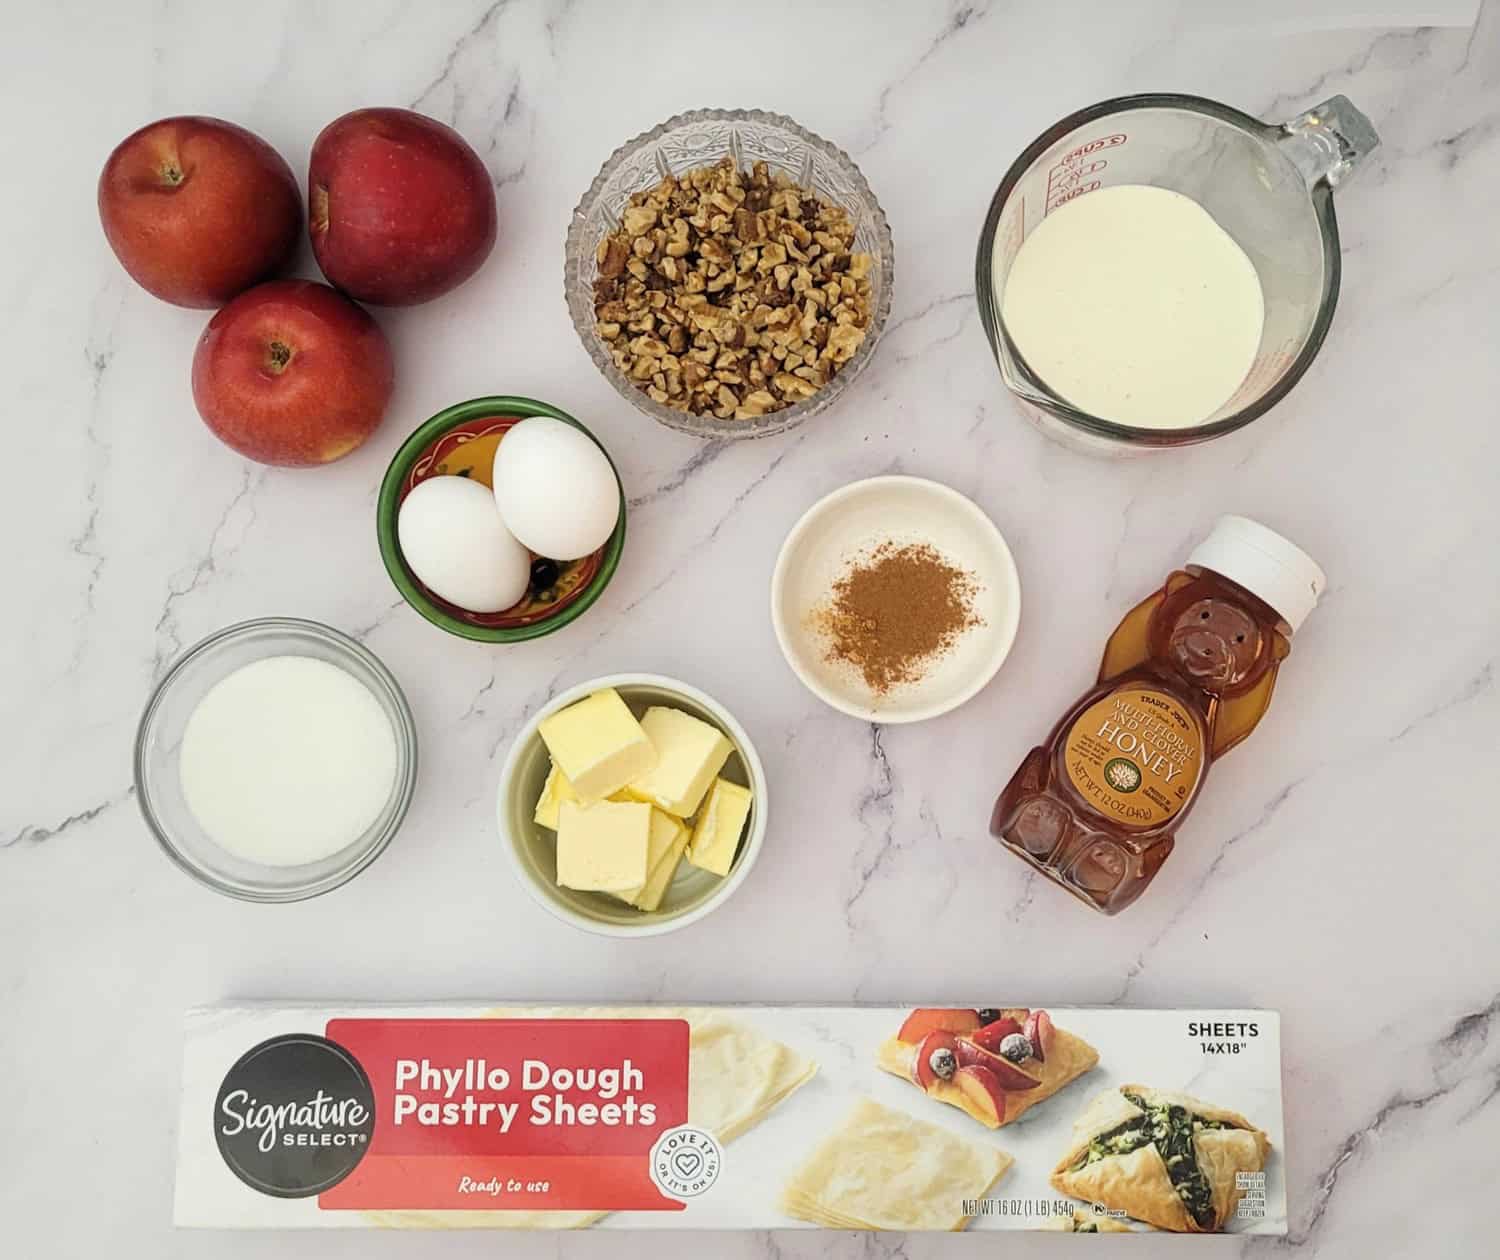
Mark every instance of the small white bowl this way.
pixel 532 848
pixel 852 520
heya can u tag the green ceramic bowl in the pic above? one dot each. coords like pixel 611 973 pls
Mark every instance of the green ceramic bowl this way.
pixel 461 440
pixel 532 848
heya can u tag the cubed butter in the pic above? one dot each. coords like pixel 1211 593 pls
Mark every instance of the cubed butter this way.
pixel 555 791
pixel 661 878
pixel 603 847
pixel 598 745
pixel 716 834
pixel 688 755
pixel 667 841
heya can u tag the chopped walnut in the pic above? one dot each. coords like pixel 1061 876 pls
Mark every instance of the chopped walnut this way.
pixel 731 293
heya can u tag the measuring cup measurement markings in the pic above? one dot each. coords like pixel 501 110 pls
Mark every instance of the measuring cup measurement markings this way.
pixel 1062 198
pixel 1063 180
pixel 1268 186
pixel 1093 146
pixel 1066 176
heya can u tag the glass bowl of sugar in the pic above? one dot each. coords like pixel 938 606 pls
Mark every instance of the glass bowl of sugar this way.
pixel 275 760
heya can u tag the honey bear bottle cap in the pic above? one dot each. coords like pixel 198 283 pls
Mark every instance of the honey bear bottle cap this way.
pixel 1265 564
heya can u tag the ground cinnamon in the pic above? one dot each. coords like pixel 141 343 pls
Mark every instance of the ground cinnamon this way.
pixel 897 609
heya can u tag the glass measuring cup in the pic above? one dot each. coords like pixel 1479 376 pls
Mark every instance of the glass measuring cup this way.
pixel 1269 185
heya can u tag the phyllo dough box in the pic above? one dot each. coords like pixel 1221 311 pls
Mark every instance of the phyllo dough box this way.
pixel 479 1116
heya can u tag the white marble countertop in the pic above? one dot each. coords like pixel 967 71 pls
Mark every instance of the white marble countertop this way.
pixel 1341 867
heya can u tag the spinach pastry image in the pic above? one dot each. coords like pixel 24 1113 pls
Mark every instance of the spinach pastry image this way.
pixel 1167 1159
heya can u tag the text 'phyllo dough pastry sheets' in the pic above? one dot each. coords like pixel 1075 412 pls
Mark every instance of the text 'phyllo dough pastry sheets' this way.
pixel 736 1075
pixel 486 1116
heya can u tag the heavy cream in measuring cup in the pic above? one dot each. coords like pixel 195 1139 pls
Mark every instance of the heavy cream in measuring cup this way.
pixel 287 761
pixel 1134 305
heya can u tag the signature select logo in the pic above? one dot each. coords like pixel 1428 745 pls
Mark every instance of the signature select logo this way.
pixel 294 1116
pixel 319 1121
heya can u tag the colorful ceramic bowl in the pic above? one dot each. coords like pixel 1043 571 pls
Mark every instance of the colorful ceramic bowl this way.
pixel 460 441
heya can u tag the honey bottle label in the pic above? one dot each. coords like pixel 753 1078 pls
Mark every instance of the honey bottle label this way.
pixel 1135 756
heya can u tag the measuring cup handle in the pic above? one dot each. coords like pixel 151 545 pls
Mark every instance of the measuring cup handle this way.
pixel 1328 142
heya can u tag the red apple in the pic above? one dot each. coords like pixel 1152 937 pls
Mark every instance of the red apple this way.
pixel 982 1091
pixel 929 1019
pixel 197 209
pixel 292 373
pixel 400 208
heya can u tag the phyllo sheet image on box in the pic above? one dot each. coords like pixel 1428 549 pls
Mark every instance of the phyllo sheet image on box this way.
pixel 475 1116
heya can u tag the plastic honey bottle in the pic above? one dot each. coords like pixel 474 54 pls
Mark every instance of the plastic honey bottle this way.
pixel 1185 677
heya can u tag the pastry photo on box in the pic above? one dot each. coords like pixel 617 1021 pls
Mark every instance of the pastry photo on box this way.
pixel 1168 1159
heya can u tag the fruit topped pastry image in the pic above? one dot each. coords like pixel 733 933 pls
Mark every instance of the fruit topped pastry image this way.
pixel 994 1064
pixel 1166 1159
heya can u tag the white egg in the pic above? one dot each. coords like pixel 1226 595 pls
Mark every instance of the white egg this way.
pixel 455 543
pixel 556 489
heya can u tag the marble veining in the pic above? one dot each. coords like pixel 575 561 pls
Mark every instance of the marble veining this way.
pixel 1339 869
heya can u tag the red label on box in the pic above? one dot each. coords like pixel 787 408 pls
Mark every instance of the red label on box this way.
pixel 501 1115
